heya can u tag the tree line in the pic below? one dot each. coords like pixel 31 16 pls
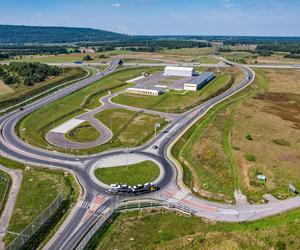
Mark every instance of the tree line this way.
pixel 27 73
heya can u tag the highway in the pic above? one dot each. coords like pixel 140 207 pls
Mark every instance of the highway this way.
pixel 95 199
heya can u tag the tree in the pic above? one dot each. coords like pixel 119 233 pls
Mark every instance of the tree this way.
pixel 87 58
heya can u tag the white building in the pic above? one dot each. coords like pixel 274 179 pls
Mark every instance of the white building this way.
pixel 179 71
pixel 199 81
pixel 143 91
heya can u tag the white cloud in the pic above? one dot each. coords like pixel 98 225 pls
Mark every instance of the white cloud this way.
pixel 116 5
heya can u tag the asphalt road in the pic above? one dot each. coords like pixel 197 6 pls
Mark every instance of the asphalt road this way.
pixel 12 147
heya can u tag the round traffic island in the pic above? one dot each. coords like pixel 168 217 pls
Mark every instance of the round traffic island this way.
pixel 139 173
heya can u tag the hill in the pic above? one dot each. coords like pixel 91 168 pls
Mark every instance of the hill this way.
pixel 17 34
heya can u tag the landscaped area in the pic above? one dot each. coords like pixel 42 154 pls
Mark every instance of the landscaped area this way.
pixel 83 133
pixel 175 101
pixel 139 173
pixel 36 125
pixel 168 230
pixel 255 135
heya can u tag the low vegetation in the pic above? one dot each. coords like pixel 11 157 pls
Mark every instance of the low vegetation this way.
pixel 167 230
pixel 139 173
pixel 83 133
pixel 38 190
pixel 5 182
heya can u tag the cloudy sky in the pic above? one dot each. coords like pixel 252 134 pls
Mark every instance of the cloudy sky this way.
pixel 161 17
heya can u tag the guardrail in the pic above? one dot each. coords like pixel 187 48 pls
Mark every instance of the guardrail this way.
pixel 130 205
pixel 20 241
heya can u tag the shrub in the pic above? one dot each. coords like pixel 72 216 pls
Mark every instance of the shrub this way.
pixel 249 137
pixel 250 157
pixel 282 142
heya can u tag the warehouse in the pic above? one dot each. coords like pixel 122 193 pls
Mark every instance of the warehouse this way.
pixel 144 91
pixel 179 71
pixel 199 81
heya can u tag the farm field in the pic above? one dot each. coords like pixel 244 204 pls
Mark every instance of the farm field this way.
pixel 254 135
pixel 139 173
pixel 36 125
pixel 168 102
pixel 169 230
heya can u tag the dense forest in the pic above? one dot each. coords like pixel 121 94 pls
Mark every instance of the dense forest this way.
pixel 27 73
pixel 16 34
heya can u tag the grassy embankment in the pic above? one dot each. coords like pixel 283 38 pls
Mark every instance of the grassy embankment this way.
pixel 16 93
pixel 217 154
pixel 5 182
pixel 38 190
pixel 167 230
pixel 139 173
pixel 83 133
pixel 177 101
pixel 36 125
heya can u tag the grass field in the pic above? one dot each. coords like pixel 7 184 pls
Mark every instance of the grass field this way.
pixel 20 92
pixel 139 173
pixel 176 101
pixel 217 156
pixel 5 181
pixel 167 230
pixel 38 190
pixel 36 125
pixel 83 133
pixel 129 128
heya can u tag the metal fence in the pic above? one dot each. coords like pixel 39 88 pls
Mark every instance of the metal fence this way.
pixel 131 205
pixel 36 225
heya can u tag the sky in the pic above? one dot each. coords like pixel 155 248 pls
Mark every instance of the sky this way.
pixel 161 17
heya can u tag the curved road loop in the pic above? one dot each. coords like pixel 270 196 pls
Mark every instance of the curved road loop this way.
pixel 95 200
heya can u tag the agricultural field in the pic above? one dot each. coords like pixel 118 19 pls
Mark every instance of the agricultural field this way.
pixel 135 174
pixel 169 230
pixel 38 190
pixel 256 134
pixel 83 133
pixel 36 125
pixel 175 101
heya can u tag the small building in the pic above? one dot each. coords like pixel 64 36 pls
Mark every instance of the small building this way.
pixel 179 71
pixel 199 81
pixel 145 91
pixel 261 177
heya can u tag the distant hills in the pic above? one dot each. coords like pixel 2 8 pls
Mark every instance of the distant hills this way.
pixel 18 34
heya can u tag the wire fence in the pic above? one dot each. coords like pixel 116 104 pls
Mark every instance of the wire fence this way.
pixel 131 205
pixel 23 238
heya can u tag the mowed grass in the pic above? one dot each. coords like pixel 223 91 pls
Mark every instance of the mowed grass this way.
pixel 167 230
pixel 176 101
pixel 83 133
pixel 129 128
pixel 139 173
pixel 36 125
pixel 39 188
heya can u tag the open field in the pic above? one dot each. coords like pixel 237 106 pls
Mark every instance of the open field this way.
pixel 167 230
pixel 139 173
pixel 17 93
pixel 38 190
pixel 4 89
pixel 36 125
pixel 233 144
pixel 129 128
pixel 83 133
pixel 177 101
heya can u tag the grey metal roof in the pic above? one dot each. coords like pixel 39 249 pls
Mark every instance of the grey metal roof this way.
pixel 201 78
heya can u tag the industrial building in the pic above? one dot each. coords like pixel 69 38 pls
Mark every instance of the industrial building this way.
pixel 179 71
pixel 199 81
pixel 145 91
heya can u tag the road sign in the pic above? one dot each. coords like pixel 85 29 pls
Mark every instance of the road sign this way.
pixel 157 125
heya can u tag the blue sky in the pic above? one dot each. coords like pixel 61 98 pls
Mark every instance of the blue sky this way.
pixel 161 17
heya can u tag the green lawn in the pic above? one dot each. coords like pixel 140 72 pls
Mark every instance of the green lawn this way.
pixel 167 230
pixel 140 173
pixel 176 101
pixel 36 125
pixel 38 190
pixel 83 133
